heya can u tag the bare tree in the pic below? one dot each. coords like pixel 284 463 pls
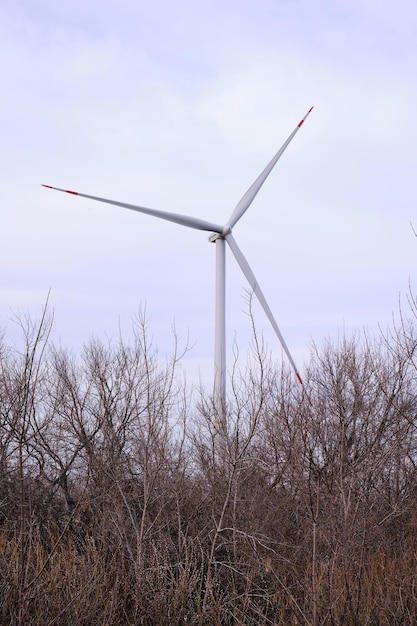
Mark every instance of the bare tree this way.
pixel 125 500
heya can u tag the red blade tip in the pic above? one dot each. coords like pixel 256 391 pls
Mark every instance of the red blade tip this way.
pixel 299 378
pixel 74 193
pixel 308 112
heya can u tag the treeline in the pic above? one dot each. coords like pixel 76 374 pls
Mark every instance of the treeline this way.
pixel 125 500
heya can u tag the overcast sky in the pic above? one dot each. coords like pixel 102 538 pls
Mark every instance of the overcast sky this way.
pixel 179 106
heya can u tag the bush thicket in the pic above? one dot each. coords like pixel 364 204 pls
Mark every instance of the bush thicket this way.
pixel 124 500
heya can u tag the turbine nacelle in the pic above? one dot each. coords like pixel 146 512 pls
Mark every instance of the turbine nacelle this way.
pixel 226 230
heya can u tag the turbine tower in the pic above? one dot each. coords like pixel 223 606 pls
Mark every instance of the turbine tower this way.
pixel 220 235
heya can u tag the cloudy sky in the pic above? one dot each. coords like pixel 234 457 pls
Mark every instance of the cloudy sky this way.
pixel 179 106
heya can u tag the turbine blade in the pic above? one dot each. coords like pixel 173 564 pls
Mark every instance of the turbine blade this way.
pixel 183 220
pixel 244 266
pixel 249 196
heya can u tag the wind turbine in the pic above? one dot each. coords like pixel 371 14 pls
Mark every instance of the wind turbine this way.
pixel 220 235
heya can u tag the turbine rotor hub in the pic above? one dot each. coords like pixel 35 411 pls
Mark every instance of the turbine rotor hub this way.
pixel 226 231
pixel 214 236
